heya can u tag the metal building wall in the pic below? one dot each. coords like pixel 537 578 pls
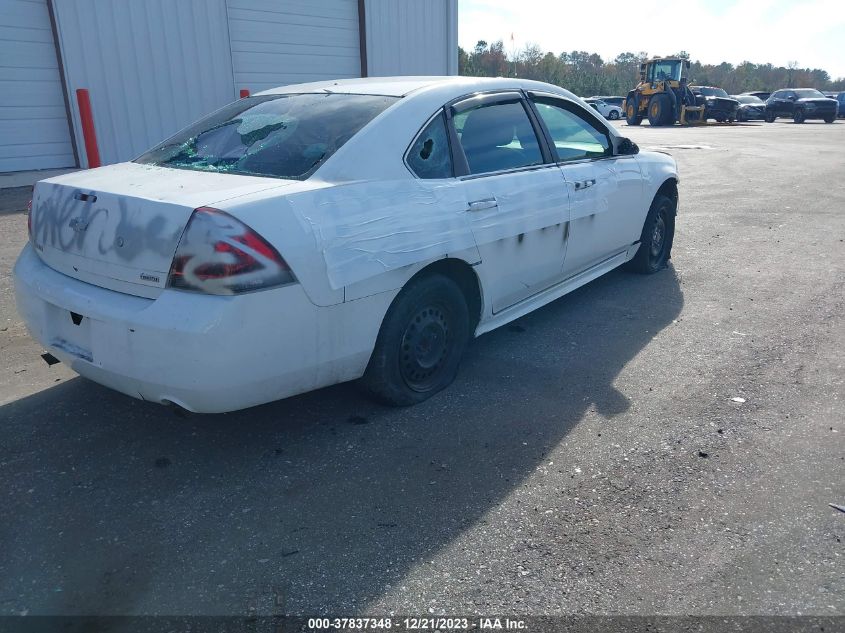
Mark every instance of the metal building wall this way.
pixel 155 66
pixel 412 38
pixel 151 66
pixel 34 132
pixel 277 43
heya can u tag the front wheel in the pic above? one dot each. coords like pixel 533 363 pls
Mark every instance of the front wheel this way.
pixel 829 119
pixel 657 237
pixel 798 117
pixel 660 110
pixel 613 115
pixel 770 117
pixel 632 115
pixel 420 344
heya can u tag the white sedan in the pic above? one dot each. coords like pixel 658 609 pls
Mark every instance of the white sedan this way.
pixel 607 110
pixel 325 232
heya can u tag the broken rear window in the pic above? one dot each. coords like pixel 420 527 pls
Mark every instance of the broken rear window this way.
pixel 281 136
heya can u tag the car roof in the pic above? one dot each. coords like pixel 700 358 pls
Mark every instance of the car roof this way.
pixel 404 86
pixel 388 86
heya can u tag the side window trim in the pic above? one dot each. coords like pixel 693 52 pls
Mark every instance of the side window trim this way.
pixel 442 112
pixel 459 160
pixel 575 109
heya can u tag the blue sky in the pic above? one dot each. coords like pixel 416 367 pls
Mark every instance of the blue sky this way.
pixel 811 32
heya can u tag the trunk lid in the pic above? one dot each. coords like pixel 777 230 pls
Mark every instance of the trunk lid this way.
pixel 118 226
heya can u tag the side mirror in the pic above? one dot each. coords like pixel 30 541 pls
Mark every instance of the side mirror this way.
pixel 627 147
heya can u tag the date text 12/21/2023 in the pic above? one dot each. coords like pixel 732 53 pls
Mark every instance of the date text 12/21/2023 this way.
pixel 426 623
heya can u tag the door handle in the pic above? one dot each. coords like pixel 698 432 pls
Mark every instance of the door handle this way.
pixel 480 205
pixel 583 184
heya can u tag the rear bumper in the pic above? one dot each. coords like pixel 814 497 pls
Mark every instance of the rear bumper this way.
pixel 205 353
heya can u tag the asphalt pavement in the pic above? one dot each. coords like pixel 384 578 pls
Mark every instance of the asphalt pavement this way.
pixel 663 444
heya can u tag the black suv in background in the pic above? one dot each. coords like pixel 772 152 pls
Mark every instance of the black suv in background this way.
pixel 801 104
pixel 718 104
pixel 841 99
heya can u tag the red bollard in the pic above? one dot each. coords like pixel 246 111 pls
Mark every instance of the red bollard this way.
pixel 88 132
pixel 244 93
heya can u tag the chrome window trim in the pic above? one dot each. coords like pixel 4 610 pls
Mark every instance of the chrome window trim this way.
pixel 514 170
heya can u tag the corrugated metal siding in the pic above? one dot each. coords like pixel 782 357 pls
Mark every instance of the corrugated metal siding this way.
pixel 34 131
pixel 151 66
pixel 411 38
pixel 278 43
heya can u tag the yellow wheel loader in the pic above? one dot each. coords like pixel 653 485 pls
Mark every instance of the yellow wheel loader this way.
pixel 663 95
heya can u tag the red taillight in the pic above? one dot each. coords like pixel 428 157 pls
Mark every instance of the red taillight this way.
pixel 29 219
pixel 219 254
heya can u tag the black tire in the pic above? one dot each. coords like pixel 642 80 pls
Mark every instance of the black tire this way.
pixel 613 115
pixel 632 116
pixel 740 117
pixel 770 117
pixel 420 344
pixel 798 117
pixel 830 119
pixel 656 239
pixel 660 110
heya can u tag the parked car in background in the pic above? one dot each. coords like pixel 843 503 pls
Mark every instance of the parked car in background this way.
pixel 750 108
pixel 840 99
pixel 760 94
pixel 718 104
pixel 607 110
pixel 617 101
pixel 324 232
pixel 801 104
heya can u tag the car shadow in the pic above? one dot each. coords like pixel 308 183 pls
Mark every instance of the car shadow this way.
pixel 322 502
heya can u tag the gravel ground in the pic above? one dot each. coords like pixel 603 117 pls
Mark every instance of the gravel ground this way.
pixel 592 457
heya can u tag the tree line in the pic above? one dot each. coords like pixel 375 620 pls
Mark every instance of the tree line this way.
pixel 588 74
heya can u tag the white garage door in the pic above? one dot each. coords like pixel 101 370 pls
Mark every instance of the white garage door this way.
pixel 278 43
pixel 34 132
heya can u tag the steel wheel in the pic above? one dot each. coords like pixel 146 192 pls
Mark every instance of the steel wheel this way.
pixel 424 346
pixel 658 238
pixel 420 343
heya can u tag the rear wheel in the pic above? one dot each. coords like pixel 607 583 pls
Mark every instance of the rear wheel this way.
pixel 656 238
pixel 420 344
pixel 632 116
pixel 660 110
pixel 770 117
pixel 830 119
pixel 798 117
pixel 613 115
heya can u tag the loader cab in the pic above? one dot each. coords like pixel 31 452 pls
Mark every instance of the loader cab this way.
pixel 664 69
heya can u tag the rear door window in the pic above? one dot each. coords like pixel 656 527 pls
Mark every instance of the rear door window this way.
pixel 498 136
pixel 281 136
